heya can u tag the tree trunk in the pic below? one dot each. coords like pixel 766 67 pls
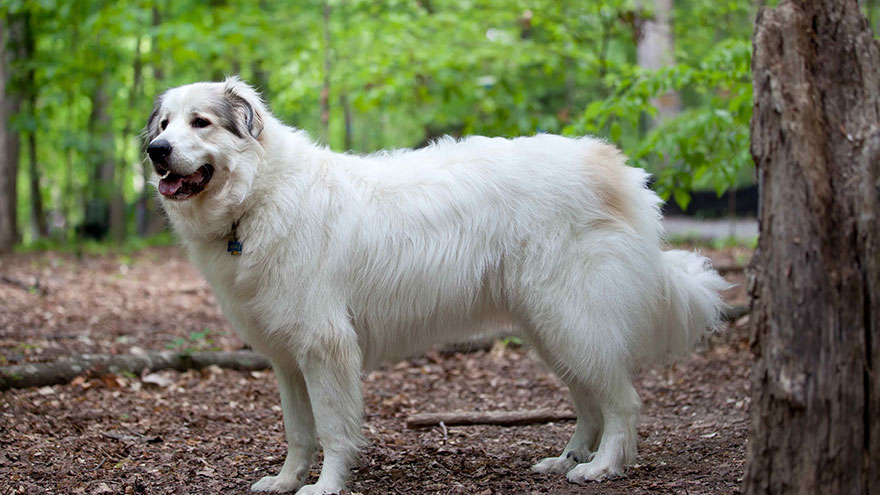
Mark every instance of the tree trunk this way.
pixel 816 275
pixel 38 213
pixel 98 209
pixel 325 91
pixel 656 49
pixel 10 50
pixel 117 221
pixel 149 218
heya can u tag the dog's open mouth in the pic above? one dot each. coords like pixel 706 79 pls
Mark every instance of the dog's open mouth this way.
pixel 182 187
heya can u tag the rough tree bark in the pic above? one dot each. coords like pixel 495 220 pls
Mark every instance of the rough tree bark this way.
pixel 815 278
pixel 10 49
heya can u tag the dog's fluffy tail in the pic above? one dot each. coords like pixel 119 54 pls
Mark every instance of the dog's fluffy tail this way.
pixel 690 304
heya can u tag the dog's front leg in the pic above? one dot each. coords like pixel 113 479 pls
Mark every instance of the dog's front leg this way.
pixel 331 367
pixel 299 429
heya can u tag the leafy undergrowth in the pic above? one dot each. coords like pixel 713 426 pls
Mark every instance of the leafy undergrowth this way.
pixel 218 431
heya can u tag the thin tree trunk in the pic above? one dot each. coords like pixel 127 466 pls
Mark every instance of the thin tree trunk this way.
pixel 67 195
pixel 148 218
pixel 346 113
pixel 10 51
pixel 98 204
pixel 117 216
pixel 38 213
pixel 816 275
pixel 68 201
pixel 325 91
pixel 343 94
pixel 656 50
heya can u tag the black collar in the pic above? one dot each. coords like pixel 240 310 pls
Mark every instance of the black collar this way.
pixel 234 246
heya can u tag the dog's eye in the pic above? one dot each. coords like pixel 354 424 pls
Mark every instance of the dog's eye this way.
pixel 199 122
pixel 163 124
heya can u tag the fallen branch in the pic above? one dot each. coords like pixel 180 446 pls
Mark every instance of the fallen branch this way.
pixel 35 287
pixel 725 269
pixel 733 313
pixel 501 418
pixel 65 370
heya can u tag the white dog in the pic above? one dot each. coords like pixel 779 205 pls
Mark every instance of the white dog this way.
pixel 331 263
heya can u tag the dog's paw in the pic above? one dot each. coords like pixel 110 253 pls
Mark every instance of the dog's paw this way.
pixel 561 464
pixel 594 471
pixel 317 489
pixel 276 484
pixel 554 465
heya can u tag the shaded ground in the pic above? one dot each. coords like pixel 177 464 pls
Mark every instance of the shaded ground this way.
pixel 218 431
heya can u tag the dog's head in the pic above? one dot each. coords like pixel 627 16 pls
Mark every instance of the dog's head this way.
pixel 204 141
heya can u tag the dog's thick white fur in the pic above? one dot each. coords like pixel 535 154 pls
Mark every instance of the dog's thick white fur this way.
pixel 351 260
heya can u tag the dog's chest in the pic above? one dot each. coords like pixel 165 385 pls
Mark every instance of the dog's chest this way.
pixel 222 271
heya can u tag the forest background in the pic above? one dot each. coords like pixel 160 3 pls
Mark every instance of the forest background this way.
pixel 669 82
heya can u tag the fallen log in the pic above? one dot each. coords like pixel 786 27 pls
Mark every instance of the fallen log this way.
pixel 500 418
pixel 65 370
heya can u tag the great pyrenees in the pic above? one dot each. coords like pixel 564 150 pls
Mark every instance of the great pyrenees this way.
pixel 331 263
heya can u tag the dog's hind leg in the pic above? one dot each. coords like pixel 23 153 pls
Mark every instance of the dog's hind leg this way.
pixel 620 406
pixel 585 439
pixel 299 430
pixel 583 323
pixel 607 406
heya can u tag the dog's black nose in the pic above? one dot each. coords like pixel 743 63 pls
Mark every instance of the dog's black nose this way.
pixel 159 150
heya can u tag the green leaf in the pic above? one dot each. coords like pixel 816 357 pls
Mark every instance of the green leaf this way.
pixel 682 198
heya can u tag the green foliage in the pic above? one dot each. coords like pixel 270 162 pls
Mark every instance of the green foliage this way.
pixel 402 71
pixel 129 246
pixel 706 146
pixel 689 241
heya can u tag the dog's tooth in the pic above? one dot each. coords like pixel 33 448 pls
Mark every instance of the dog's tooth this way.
pixel 167 173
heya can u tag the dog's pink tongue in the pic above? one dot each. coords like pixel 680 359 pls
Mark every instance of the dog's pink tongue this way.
pixel 170 185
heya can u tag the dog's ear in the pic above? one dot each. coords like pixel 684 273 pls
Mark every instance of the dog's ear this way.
pixel 152 129
pixel 244 108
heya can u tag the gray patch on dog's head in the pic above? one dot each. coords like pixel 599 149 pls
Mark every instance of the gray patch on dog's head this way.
pixel 237 114
pixel 152 129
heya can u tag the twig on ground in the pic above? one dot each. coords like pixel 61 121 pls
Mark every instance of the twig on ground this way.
pixel 501 418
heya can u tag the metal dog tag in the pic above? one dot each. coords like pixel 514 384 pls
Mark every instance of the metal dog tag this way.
pixel 233 247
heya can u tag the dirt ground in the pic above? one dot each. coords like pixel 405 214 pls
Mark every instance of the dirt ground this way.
pixel 217 431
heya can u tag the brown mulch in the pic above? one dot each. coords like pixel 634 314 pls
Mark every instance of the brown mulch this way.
pixel 218 431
